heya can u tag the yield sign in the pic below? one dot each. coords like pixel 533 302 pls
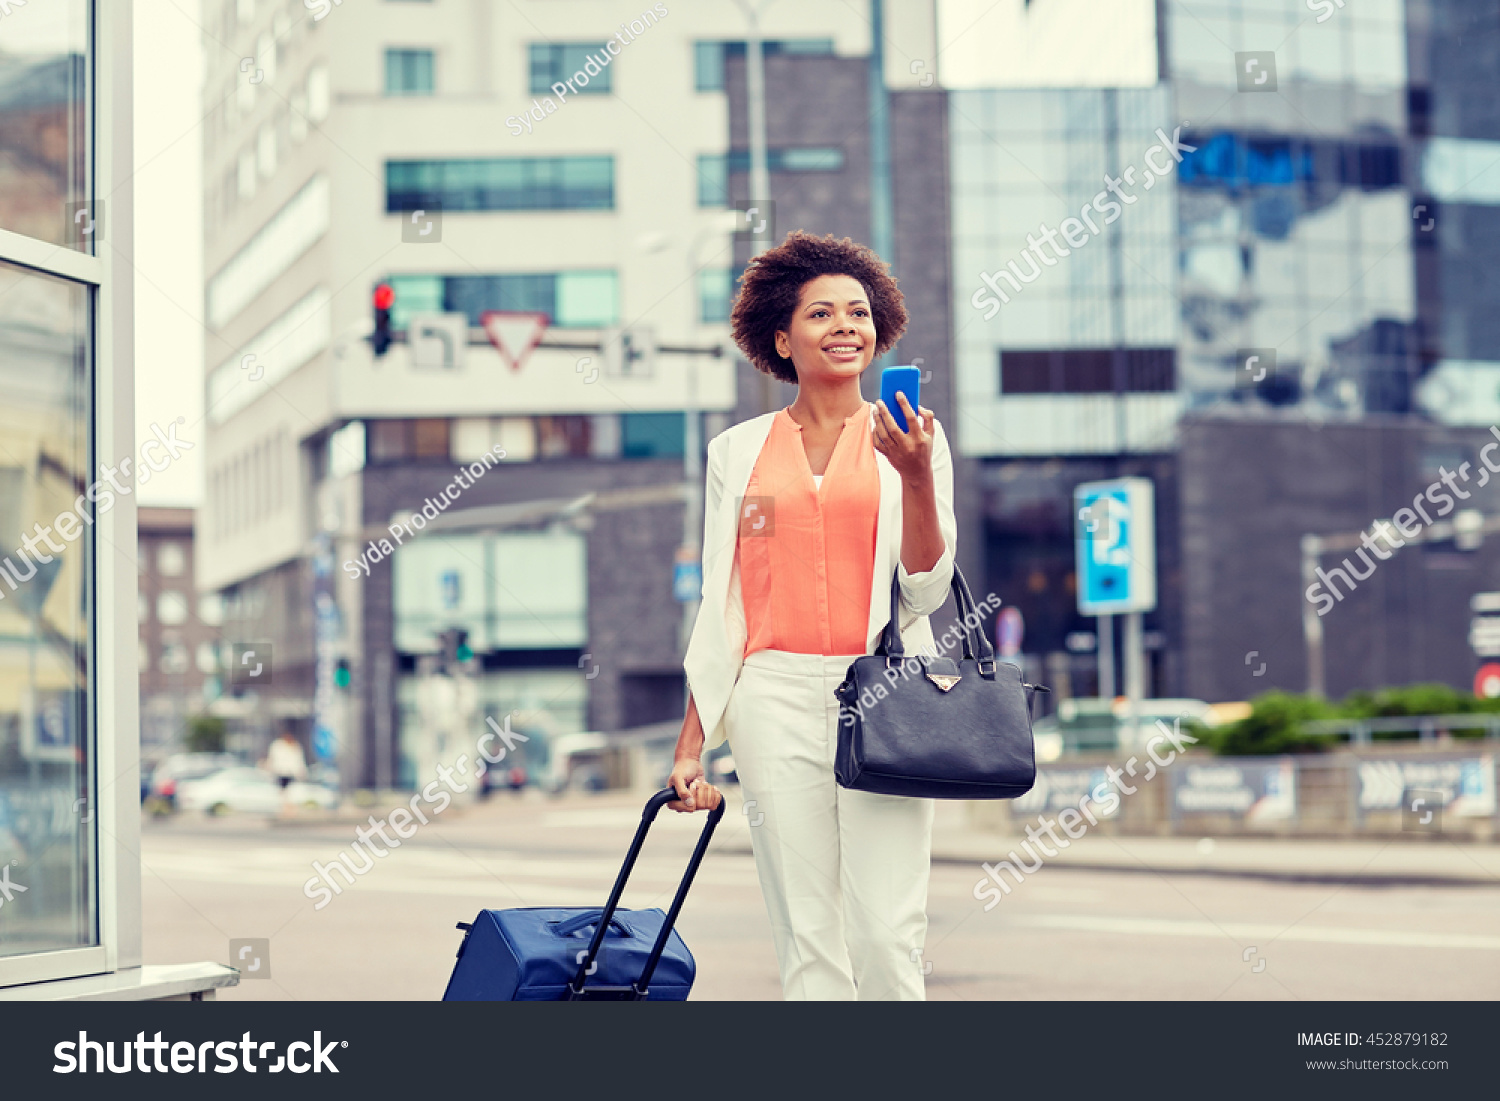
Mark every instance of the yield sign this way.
pixel 514 333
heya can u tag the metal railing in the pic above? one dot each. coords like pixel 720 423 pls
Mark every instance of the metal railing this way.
pixel 1425 727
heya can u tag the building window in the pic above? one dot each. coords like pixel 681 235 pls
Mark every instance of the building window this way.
pixel 171 560
pixel 346 450
pixel 709 57
pixel 319 94
pixel 714 168
pixel 1238 162
pixel 388 441
pixel 1087 371
pixel 516 436
pixel 280 348
pixel 556 63
pixel 812 158
pixel 409 73
pixel 211 609
pixel 563 437
pixel 501 183
pixel 291 231
pixel 42 115
pixel 174 658
pixel 430 438
pixel 715 294
pixel 713 179
pixel 208 658
pixel 651 435
pixel 399 440
pixel 572 299
pixel 172 608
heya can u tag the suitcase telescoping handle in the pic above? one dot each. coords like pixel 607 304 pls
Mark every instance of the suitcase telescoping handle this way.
pixel 648 815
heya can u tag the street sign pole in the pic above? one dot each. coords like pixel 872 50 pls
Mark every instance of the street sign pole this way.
pixel 1135 671
pixel 1105 650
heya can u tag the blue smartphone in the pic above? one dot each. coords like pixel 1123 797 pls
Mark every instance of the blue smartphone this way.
pixel 907 380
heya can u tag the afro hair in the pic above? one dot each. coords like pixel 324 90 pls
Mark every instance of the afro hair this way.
pixel 773 282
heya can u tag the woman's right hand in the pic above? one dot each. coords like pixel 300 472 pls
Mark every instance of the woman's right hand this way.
pixel 693 791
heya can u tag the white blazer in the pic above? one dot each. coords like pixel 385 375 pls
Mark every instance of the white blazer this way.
pixel 717 649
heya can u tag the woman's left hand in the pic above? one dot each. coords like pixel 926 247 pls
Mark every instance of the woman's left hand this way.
pixel 910 452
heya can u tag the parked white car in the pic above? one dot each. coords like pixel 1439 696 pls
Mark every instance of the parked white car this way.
pixel 250 791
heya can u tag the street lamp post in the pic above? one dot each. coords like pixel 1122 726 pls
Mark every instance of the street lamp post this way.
pixel 755 88
pixel 692 440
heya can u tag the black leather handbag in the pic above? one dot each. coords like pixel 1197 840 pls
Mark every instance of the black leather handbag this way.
pixel 932 727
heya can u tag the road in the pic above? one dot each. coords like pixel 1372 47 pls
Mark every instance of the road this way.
pixel 1065 933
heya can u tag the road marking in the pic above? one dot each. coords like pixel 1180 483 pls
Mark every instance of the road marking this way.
pixel 507 881
pixel 1255 934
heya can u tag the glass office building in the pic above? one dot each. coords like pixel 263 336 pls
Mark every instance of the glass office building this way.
pixel 1294 213
pixel 1242 236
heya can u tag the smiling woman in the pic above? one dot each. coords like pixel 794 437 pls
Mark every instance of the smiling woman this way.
pixel 812 512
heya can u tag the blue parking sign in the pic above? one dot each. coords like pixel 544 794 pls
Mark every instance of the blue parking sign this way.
pixel 1115 541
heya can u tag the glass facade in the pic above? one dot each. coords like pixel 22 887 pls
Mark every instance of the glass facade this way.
pixel 47 843
pixel 1295 219
pixel 1274 229
pixel 1029 167
pixel 1244 236
pixel 1455 54
pixel 501 183
pixel 44 124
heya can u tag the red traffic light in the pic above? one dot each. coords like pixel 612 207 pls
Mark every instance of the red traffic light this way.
pixel 384 296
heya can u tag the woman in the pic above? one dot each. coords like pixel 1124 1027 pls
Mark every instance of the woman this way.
pixel 810 510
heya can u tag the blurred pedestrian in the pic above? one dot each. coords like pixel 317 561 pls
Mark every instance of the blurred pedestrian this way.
pixel 286 761
pixel 796 584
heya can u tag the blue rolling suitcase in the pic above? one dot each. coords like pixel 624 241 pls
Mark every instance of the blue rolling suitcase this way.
pixel 538 953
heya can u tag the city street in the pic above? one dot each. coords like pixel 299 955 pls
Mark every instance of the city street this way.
pixel 1067 932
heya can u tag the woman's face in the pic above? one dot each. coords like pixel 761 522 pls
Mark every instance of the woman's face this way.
pixel 832 332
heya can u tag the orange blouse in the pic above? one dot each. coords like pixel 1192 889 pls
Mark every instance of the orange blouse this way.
pixel 807 550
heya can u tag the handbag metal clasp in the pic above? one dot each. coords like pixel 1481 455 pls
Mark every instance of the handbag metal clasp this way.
pixel 944 681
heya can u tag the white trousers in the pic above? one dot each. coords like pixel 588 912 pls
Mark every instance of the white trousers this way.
pixel 844 873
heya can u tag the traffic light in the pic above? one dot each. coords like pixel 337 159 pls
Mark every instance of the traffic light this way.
pixel 380 340
pixel 342 677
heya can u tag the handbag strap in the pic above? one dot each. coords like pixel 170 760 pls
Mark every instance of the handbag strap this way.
pixel 890 639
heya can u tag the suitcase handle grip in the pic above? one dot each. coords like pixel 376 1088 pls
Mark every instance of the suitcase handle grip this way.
pixel 648 815
pixel 587 921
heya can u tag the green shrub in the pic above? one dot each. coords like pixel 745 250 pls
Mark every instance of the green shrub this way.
pixel 1274 726
pixel 205 734
pixel 1413 699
